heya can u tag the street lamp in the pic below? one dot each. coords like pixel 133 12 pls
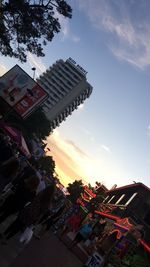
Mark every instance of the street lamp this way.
pixel 34 69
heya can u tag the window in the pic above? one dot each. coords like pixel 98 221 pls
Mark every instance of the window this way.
pixel 110 199
pixel 105 199
pixel 118 201
pixel 130 199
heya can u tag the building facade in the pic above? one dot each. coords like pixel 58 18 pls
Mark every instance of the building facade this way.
pixel 132 201
pixel 67 87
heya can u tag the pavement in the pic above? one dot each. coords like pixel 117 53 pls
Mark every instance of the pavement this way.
pixel 49 251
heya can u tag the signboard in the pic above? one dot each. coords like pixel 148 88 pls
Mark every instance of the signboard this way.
pixel 20 91
pixel 96 260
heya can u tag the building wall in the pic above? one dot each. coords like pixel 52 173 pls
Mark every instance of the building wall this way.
pixel 66 84
pixel 138 209
pixel 139 204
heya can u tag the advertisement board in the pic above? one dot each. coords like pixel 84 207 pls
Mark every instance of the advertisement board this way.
pixel 20 91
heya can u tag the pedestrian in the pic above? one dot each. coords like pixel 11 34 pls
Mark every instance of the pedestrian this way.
pixel 31 214
pixel 83 234
pixel 5 150
pixel 72 224
pixel 8 171
pixel 42 184
pixel 24 193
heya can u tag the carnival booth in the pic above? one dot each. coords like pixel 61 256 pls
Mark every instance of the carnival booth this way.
pixel 119 239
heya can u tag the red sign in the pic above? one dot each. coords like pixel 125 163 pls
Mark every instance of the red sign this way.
pixel 20 91
pixel 26 104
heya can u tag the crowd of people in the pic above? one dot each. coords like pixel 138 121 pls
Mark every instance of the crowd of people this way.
pixel 36 205
pixel 33 204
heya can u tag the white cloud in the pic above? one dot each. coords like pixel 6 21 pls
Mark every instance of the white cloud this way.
pixel 81 106
pixel 128 32
pixel 3 69
pixel 66 30
pixel 106 148
pixel 36 62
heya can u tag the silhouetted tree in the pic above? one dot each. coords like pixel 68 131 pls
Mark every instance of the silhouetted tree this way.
pixel 27 25
pixel 39 124
pixel 75 189
pixel 48 164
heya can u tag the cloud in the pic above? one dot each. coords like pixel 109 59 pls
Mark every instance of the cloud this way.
pixel 89 134
pixel 81 106
pixel 76 148
pixel 3 69
pixel 36 62
pixel 66 30
pixel 106 148
pixel 126 25
pixel 73 163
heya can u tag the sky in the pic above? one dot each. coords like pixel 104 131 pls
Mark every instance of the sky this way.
pixel 108 138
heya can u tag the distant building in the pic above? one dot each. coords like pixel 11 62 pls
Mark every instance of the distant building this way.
pixel 132 201
pixel 67 87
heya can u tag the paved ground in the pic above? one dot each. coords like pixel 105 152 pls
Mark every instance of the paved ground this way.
pixel 49 251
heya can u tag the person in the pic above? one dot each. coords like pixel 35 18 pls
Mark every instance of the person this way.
pixel 50 221
pixel 42 185
pixel 72 224
pixel 8 172
pixel 90 243
pixel 24 193
pixel 31 214
pixel 83 234
pixel 5 149
pixel 52 215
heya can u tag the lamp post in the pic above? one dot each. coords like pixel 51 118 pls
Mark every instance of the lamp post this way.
pixel 34 69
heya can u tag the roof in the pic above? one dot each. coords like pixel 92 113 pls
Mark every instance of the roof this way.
pixel 130 186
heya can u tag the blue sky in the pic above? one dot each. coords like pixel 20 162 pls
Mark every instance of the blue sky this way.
pixel 107 138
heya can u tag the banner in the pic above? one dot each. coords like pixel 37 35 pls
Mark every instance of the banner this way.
pixel 20 91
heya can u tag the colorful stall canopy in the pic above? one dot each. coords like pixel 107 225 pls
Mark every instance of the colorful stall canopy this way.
pixel 125 224
pixel 17 137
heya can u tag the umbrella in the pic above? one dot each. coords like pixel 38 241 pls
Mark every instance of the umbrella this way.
pixel 17 137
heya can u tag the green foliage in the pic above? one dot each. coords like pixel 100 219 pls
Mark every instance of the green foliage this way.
pixel 75 189
pixel 48 164
pixel 27 25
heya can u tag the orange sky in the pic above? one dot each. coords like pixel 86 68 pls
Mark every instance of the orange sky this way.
pixel 67 157
pixel 73 163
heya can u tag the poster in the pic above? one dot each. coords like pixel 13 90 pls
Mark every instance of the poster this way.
pixel 20 91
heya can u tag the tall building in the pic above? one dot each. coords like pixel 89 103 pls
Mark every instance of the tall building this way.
pixel 67 87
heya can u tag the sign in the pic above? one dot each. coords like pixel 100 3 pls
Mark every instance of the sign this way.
pixel 96 260
pixel 83 71
pixel 20 91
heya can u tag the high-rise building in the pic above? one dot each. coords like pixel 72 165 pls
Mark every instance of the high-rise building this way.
pixel 67 87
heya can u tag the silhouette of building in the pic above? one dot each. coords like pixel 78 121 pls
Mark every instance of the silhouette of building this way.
pixel 67 87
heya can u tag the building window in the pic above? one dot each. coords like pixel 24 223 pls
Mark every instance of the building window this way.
pixel 130 199
pixel 110 199
pixel 118 201
pixel 105 199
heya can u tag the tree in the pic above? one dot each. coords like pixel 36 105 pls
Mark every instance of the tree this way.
pixel 48 164
pixel 39 124
pixel 94 203
pixel 27 25
pixel 75 189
